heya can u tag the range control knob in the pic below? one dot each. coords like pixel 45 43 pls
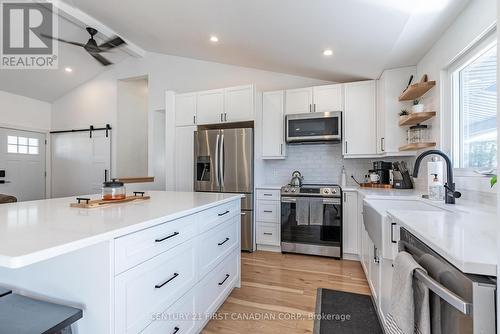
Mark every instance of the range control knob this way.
pixel 334 191
pixel 286 190
pixel 326 191
pixel 293 190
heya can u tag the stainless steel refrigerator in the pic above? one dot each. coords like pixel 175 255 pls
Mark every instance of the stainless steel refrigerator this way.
pixel 223 162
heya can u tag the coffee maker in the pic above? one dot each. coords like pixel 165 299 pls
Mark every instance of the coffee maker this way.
pixel 383 170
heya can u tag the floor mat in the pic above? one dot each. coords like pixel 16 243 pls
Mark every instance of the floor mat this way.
pixel 340 312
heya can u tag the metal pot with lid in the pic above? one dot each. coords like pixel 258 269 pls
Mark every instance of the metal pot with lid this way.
pixel 297 179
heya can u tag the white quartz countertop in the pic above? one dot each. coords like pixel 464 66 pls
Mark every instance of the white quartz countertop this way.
pixel 465 239
pixel 34 231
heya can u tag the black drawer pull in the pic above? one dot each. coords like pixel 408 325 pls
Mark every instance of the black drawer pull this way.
pixel 268 194
pixel 268 211
pixel 158 286
pixel 225 279
pixel 224 213
pixel 267 233
pixel 222 243
pixel 392 233
pixel 167 237
pixel 176 329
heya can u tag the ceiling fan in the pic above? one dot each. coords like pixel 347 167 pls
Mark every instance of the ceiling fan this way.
pixel 91 46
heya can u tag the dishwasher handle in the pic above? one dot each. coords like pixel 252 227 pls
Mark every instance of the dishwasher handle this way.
pixel 447 295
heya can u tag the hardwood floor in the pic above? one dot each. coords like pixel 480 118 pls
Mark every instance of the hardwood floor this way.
pixel 278 292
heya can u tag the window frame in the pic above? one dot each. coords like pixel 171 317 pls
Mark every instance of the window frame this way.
pixel 451 133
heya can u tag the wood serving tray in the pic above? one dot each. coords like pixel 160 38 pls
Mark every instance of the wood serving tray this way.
pixel 99 203
pixel 375 185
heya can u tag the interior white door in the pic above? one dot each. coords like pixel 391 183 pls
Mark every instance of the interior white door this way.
pixel 185 109
pixel 210 106
pixel 79 162
pixel 299 101
pixel 184 158
pixel 239 104
pixel 273 145
pixel 22 159
pixel 328 98
pixel 360 118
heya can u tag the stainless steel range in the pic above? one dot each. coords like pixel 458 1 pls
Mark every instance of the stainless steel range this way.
pixel 311 220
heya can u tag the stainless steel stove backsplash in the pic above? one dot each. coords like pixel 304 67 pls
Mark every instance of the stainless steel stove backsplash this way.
pixel 319 163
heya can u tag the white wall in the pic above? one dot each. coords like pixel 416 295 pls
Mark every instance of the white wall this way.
pixel 475 20
pixel 24 113
pixel 132 128
pixel 95 102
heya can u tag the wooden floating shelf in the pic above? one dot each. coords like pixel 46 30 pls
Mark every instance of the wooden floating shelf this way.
pixel 416 90
pixel 416 146
pixel 416 118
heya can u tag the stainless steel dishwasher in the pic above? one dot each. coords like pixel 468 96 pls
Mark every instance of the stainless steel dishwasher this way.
pixel 459 303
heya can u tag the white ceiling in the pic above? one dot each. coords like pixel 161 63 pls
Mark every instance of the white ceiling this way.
pixel 48 85
pixel 287 36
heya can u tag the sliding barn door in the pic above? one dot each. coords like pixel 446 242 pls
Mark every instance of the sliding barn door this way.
pixel 79 162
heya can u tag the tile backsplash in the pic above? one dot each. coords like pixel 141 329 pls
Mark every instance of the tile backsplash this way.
pixel 320 163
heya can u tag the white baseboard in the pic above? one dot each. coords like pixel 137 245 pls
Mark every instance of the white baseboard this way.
pixel 269 248
pixel 348 256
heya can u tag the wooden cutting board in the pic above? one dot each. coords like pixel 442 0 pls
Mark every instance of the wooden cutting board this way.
pixel 99 203
pixel 375 185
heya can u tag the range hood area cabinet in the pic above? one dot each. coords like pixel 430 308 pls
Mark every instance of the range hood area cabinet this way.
pixel 215 106
pixel 390 136
pixel 273 125
pixel 314 99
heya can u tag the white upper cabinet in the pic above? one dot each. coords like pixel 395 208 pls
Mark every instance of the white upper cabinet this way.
pixel 328 98
pixel 360 135
pixel 210 106
pixel 239 104
pixel 390 136
pixel 273 143
pixel 185 109
pixel 299 101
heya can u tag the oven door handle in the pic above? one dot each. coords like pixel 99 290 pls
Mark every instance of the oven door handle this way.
pixel 449 296
pixel 325 200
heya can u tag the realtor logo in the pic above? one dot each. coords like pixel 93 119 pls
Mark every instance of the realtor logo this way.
pixel 24 25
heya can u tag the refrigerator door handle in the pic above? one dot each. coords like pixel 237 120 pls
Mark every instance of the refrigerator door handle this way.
pixel 221 161
pixel 217 174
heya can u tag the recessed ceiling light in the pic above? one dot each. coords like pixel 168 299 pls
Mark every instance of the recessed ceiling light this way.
pixel 327 52
pixel 68 69
pixel 214 39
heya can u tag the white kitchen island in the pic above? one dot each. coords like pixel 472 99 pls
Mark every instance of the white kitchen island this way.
pixel 154 266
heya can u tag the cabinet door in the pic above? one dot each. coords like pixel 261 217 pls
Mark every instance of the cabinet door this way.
pixel 239 104
pixel 273 137
pixel 350 224
pixel 328 98
pixel 374 277
pixel 360 118
pixel 210 106
pixel 299 101
pixel 185 109
pixel 184 161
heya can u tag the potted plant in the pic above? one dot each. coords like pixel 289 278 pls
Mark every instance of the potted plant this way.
pixel 417 106
pixel 403 113
pixel 493 180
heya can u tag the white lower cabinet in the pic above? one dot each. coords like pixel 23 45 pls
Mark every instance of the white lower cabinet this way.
pixel 350 223
pixel 268 218
pixel 180 281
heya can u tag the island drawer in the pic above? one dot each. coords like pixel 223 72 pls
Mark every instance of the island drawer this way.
pixel 216 286
pixel 135 248
pixel 179 318
pixel 210 218
pixel 217 244
pixel 153 285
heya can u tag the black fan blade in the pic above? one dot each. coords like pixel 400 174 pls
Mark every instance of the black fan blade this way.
pixel 112 43
pixel 63 40
pixel 101 59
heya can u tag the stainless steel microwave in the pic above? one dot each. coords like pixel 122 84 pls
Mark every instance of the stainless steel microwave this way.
pixel 315 127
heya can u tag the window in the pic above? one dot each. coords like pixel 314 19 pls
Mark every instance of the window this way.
pixel 22 145
pixel 474 108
